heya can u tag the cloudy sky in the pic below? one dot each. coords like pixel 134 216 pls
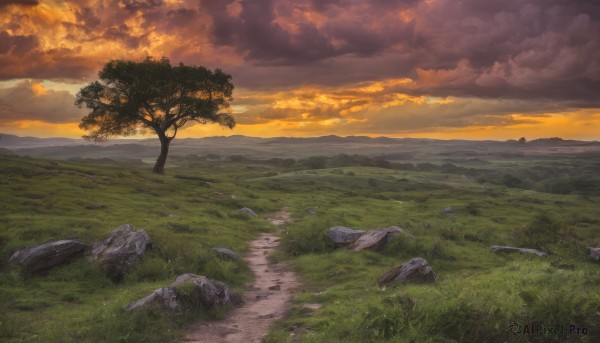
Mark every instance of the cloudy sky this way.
pixel 474 69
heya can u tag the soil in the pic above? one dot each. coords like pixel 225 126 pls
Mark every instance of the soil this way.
pixel 267 300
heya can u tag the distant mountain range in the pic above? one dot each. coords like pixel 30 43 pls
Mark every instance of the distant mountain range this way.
pixel 16 142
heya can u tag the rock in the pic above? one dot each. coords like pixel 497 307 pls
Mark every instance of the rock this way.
pixel 415 270
pixel 165 298
pixel 594 253
pixel 40 258
pixel 376 238
pixel 275 288
pixel 246 211
pixel 226 253
pixel 448 210
pixel 122 250
pixel 205 292
pixel 341 235
pixel 500 248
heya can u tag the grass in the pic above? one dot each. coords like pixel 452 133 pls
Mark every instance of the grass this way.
pixel 193 208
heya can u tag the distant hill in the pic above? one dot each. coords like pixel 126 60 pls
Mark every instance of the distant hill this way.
pixel 554 141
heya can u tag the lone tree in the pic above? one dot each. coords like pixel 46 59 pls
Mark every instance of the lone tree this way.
pixel 153 94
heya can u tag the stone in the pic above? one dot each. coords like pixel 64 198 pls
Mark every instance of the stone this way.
pixel 341 235
pixel 501 248
pixel 164 298
pixel 247 212
pixel 121 251
pixel 594 254
pixel 226 253
pixel 205 292
pixel 375 238
pixel 415 270
pixel 40 258
pixel 448 210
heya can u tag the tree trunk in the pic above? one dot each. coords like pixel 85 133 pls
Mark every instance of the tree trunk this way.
pixel 159 166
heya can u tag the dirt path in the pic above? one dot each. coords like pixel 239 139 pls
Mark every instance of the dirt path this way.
pixel 267 301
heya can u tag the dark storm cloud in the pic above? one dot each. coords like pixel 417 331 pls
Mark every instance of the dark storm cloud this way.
pixel 4 3
pixel 518 49
pixel 16 44
pixel 29 100
pixel 123 34
pixel 259 31
pixel 521 49
pixel 255 33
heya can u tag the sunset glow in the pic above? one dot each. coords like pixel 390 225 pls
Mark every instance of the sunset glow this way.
pixel 408 68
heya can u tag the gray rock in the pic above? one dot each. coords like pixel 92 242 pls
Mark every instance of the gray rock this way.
pixel 122 250
pixel 164 298
pixel 594 254
pixel 246 211
pixel 448 210
pixel 341 235
pixel 375 238
pixel 415 270
pixel 501 248
pixel 226 253
pixel 205 292
pixel 40 258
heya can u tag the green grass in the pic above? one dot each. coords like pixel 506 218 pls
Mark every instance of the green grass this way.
pixel 47 200
pixel 193 208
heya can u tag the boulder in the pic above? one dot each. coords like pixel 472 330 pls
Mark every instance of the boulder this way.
pixel 204 292
pixel 122 250
pixel 594 254
pixel 415 270
pixel 164 298
pixel 188 291
pixel 40 258
pixel 247 212
pixel 375 239
pixel 501 248
pixel 341 235
pixel 226 253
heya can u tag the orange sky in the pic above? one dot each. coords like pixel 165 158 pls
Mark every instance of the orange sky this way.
pixel 310 68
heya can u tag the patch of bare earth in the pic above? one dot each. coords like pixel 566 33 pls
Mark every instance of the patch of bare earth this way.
pixel 267 301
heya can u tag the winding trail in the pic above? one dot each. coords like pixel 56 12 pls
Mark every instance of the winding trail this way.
pixel 267 301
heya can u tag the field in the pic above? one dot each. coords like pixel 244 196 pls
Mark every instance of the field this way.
pixel 534 195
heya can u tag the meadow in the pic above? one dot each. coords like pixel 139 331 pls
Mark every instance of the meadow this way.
pixel 534 196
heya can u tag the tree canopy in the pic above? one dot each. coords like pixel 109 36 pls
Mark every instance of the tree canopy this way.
pixel 153 94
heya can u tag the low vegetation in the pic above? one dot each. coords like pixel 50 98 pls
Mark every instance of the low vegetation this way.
pixel 476 297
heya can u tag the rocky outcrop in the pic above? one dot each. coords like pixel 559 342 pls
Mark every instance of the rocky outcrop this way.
pixel 341 235
pixel 415 270
pixel 123 249
pixel 163 298
pixel 204 292
pixel 594 254
pixel 227 254
pixel 247 212
pixel 188 291
pixel 501 248
pixel 375 238
pixel 40 258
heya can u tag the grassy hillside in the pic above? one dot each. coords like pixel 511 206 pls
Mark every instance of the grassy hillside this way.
pixel 477 296
pixel 47 200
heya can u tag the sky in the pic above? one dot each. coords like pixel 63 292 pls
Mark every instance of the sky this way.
pixel 447 69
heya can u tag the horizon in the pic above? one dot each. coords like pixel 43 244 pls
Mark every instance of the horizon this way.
pixel 404 69
pixel 150 137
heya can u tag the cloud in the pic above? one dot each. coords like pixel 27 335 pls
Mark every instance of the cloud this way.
pixel 31 100
pixel 4 3
pixel 494 59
